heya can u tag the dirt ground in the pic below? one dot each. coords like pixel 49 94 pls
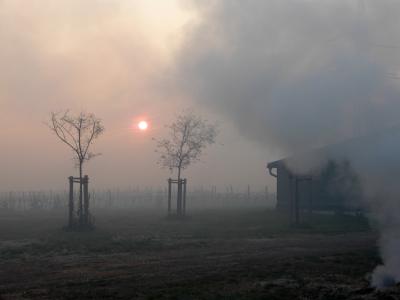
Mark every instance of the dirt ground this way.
pixel 231 254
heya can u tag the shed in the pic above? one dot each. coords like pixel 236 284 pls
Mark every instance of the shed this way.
pixel 340 177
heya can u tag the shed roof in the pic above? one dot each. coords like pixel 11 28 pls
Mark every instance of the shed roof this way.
pixel 380 150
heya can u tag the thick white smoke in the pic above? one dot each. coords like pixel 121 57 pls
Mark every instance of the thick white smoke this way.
pixel 294 75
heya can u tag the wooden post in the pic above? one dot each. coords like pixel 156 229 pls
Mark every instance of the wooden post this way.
pixel 71 202
pixel 214 192
pixel 184 196
pixel 291 204
pixel 296 201
pixel 169 195
pixel 179 198
pixel 86 200
pixel 310 201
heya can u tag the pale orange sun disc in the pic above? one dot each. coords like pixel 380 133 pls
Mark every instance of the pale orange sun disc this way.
pixel 143 125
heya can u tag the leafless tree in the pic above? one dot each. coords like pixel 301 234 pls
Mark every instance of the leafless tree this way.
pixel 78 132
pixel 189 135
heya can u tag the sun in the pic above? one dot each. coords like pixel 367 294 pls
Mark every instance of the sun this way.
pixel 143 125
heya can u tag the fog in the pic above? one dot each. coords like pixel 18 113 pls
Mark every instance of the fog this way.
pixel 280 77
pixel 312 80
pixel 111 58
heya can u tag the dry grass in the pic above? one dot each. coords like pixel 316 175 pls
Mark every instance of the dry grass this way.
pixel 232 254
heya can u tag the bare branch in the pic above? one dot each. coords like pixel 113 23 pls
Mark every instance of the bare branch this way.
pixel 189 136
pixel 77 132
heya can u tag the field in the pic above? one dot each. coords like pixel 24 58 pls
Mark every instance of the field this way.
pixel 212 254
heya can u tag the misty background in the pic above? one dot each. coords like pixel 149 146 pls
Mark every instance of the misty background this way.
pixel 279 77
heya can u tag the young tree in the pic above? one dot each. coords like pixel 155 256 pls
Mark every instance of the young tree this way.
pixel 189 135
pixel 78 132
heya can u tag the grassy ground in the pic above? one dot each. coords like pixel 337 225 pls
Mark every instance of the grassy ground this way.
pixel 216 254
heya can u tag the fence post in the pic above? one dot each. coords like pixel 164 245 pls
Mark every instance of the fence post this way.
pixel 310 200
pixel 169 195
pixel 179 198
pixel 292 195
pixel 297 200
pixel 86 200
pixel 71 202
pixel 184 196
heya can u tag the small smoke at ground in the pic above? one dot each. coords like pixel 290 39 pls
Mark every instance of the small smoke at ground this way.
pixel 387 215
pixel 388 274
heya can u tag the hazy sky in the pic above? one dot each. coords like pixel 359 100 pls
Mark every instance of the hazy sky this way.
pixel 112 58
pixel 279 76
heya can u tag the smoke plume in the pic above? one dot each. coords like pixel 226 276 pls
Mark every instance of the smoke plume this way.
pixel 293 75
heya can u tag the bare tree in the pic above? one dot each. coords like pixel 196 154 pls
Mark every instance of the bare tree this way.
pixel 78 132
pixel 189 135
